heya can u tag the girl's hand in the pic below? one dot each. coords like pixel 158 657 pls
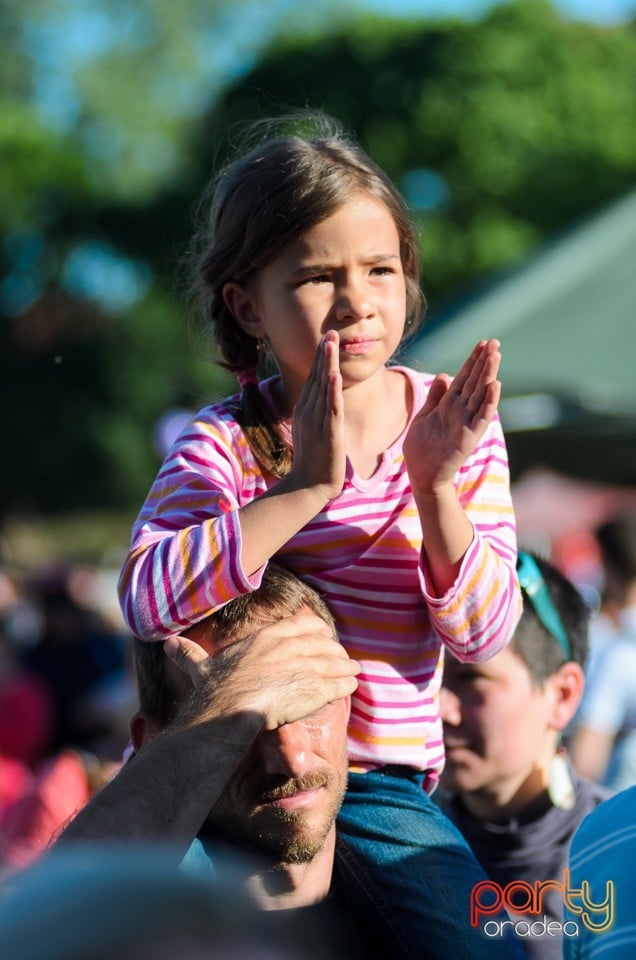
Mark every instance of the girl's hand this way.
pixel 453 419
pixel 318 424
pixel 317 475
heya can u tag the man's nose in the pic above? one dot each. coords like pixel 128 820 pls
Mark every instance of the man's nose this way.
pixel 450 707
pixel 286 750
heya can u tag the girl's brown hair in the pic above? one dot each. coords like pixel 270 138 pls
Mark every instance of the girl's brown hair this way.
pixel 255 206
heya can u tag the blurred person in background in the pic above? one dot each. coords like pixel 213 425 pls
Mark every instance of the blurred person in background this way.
pixel 76 653
pixel 56 790
pixel 133 905
pixel 507 785
pixel 603 742
pixel 26 706
pixel 56 738
pixel 616 544
pixel 26 702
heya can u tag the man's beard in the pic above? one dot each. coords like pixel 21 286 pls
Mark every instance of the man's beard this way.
pixel 292 842
pixel 288 835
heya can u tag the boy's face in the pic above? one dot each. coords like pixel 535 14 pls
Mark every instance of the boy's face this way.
pixel 498 732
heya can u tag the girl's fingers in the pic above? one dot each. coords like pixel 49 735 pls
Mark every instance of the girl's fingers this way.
pixel 478 387
pixel 476 375
pixel 467 367
pixel 483 360
pixel 325 381
pixel 488 407
pixel 334 396
pixel 317 369
pixel 312 389
pixel 438 388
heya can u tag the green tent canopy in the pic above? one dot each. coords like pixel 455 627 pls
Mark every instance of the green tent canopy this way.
pixel 566 319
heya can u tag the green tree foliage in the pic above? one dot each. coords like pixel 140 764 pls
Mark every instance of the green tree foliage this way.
pixel 97 103
pixel 527 119
pixel 514 125
pixel 99 100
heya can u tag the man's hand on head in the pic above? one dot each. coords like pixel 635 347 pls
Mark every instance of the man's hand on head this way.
pixel 283 671
pixel 278 674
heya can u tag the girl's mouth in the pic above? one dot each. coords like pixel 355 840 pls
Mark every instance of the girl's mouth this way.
pixel 356 347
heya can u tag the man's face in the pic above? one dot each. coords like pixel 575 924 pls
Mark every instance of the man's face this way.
pixel 288 789
pixel 286 793
pixel 496 726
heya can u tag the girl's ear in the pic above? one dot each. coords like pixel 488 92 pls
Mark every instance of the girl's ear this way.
pixel 242 305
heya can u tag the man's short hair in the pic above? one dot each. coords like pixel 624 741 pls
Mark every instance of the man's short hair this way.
pixel 534 643
pixel 161 687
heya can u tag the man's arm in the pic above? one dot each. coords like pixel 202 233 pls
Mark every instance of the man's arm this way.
pixel 280 673
pixel 165 792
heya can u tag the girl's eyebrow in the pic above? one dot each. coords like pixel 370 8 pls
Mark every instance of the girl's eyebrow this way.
pixel 309 270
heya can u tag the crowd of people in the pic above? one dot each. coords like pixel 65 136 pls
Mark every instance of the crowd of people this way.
pixel 355 693
pixel 66 692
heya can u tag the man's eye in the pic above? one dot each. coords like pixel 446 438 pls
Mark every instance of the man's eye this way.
pixel 318 278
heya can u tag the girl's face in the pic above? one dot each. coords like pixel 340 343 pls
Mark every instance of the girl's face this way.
pixel 344 274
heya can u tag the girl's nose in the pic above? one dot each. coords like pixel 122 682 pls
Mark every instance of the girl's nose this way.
pixel 353 302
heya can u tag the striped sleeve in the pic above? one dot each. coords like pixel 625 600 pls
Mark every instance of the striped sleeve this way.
pixel 478 615
pixel 184 560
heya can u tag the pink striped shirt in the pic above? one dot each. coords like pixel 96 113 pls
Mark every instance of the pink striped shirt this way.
pixel 362 552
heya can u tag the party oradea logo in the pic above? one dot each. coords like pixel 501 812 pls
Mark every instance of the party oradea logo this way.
pixel 525 902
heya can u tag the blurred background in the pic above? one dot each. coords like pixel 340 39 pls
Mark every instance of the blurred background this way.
pixel 509 127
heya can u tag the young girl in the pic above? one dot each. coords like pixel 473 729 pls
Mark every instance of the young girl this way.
pixel 384 488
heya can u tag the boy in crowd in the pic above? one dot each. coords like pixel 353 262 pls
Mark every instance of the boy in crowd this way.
pixel 508 785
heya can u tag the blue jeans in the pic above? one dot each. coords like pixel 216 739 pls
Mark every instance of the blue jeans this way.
pixel 408 869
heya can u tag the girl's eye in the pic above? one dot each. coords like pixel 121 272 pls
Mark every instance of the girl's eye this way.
pixel 313 280
pixel 382 271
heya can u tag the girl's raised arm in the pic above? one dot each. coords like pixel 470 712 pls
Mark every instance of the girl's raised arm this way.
pixel 318 473
pixel 441 437
pixel 210 523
